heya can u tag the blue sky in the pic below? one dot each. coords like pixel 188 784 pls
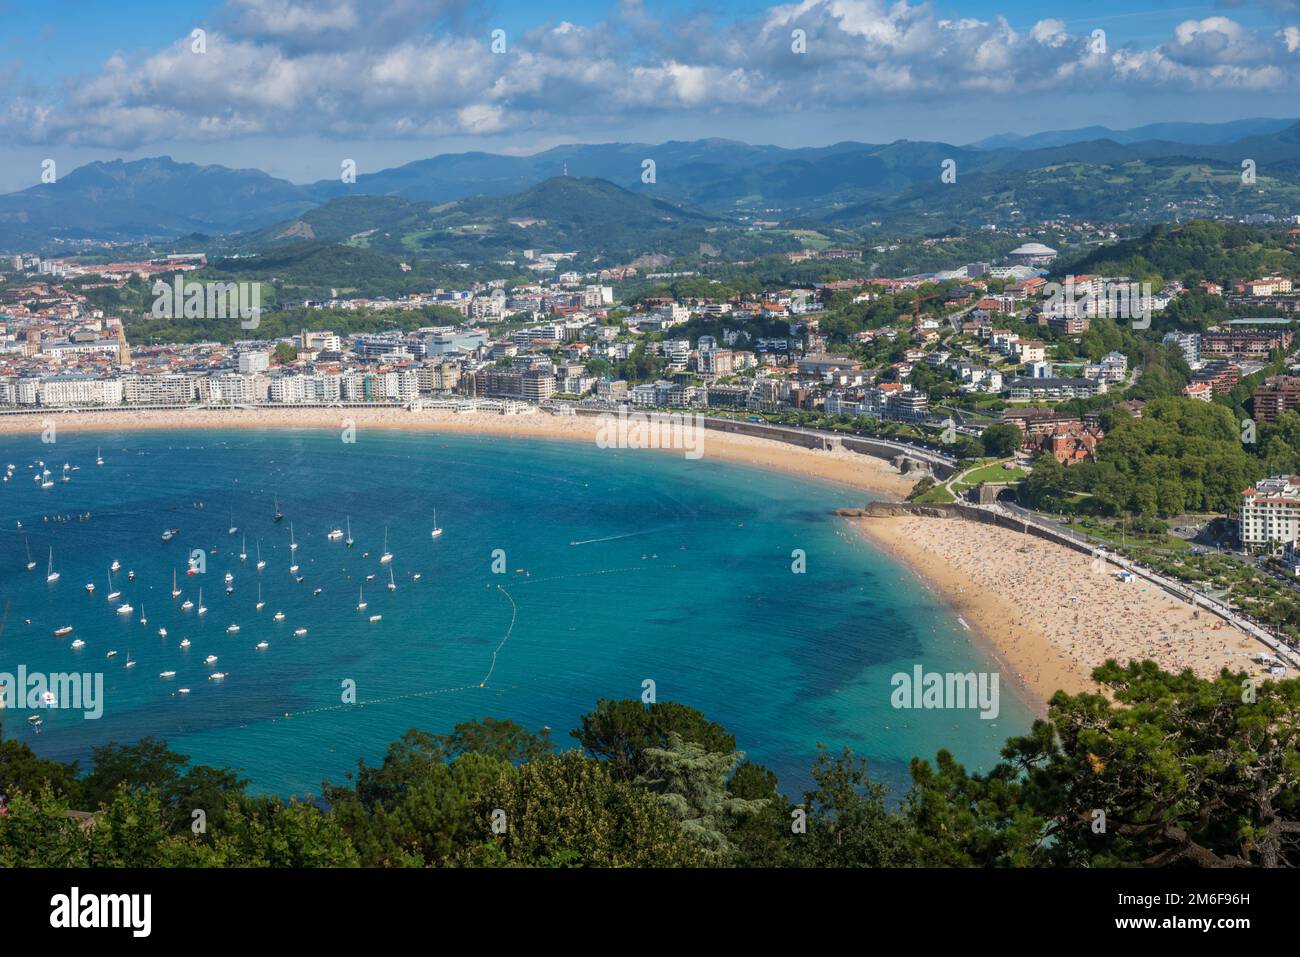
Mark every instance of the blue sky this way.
pixel 292 86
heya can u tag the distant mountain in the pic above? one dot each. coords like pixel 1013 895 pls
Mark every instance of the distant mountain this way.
pixel 592 216
pixel 470 205
pixel 149 198
pixel 1199 134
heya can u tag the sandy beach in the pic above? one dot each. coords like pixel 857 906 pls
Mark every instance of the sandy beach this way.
pixel 1050 616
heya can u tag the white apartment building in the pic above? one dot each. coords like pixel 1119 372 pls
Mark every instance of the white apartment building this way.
pixel 163 389
pixel 77 390
pixel 254 362
pixel 1270 512
pixel 235 388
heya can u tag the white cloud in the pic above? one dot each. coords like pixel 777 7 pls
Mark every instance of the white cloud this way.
pixel 413 68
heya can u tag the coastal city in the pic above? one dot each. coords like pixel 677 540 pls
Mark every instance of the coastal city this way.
pixel 673 438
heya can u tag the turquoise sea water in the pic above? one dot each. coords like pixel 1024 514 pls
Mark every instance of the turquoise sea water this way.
pixel 621 566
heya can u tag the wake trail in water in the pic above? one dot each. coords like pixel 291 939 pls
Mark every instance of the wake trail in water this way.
pixel 615 538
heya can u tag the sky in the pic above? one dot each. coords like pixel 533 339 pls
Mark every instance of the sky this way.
pixel 295 86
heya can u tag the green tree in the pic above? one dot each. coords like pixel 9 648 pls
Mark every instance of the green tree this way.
pixel 848 822
pixel 620 731
pixel 692 783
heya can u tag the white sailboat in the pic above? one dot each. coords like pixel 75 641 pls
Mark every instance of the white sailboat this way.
pixel 387 556
pixel 436 530
pixel 113 593
pixel 361 599
pixel 50 574
pixel 293 546
pixel 176 592
pixel 260 563
pixel 260 604
pixel 392 585
pixel 348 540
pixel 31 562
pixel 243 550
pixel 143 619
pixel 99 459
pixel 203 610
pixel 232 529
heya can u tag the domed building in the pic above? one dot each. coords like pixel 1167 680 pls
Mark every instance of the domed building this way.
pixel 1031 254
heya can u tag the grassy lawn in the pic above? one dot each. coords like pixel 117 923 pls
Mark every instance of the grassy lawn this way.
pixel 936 495
pixel 990 473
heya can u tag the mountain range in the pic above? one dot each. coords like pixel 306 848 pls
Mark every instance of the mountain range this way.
pixel 463 204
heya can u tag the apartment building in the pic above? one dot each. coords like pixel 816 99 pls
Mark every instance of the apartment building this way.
pixel 1275 395
pixel 1270 512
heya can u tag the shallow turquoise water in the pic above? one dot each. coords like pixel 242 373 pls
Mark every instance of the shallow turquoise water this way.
pixel 621 566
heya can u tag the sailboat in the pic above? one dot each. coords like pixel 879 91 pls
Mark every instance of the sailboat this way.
pixel 232 528
pixel 143 619
pixel 392 585
pixel 113 593
pixel 51 575
pixel 279 515
pixel 243 550
pixel 260 564
pixel 99 459
pixel 176 592
pixel 361 599
pixel 387 556
pixel 436 530
pixel 293 546
pixel 260 604
pixel 31 562
pixel 348 541
pixel 202 608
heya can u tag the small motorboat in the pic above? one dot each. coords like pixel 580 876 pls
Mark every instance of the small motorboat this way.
pixel 232 629
pixel 262 645
pixel 374 618
pixel 299 632
pixel 78 644
pixel 166 674
pixel 278 616
pixel 111 654
pixel 217 675
pixel 60 632
pixel 210 660
pixel 116 566
pixel 185 642
pixel 162 632
pixel 124 609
